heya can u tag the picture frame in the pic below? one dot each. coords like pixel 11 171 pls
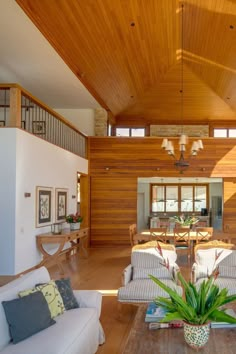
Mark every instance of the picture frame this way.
pixel 61 200
pixel 38 127
pixel 43 206
pixel 2 123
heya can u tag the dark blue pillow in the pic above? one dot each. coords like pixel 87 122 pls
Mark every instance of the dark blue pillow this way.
pixel 68 297
pixel 27 316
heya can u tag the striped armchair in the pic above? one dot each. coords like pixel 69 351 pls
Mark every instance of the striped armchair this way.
pixel 216 254
pixel 137 287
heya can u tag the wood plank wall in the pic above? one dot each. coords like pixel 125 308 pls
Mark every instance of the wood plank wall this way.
pixel 116 163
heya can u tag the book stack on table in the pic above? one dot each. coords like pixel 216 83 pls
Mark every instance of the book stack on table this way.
pixel 155 314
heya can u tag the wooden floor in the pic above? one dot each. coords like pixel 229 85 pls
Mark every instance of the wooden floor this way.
pixel 102 271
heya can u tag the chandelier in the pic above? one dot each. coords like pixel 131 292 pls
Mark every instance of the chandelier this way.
pixel 182 164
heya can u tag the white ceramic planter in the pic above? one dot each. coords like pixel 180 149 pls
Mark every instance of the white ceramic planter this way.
pixel 75 226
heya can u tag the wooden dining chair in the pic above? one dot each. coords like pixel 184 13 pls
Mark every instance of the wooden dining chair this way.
pixel 182 241
pixel 132 232
pixel 203 234
pixel 158 234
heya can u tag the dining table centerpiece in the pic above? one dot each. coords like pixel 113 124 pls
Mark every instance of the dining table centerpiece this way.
pixel 185 220
pixel 198 306
pixel 74 220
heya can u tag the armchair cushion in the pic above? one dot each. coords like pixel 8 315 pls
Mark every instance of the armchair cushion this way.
pixel 143 273
pixel 144 290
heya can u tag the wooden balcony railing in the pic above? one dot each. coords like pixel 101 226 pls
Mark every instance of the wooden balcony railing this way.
pixel 19 109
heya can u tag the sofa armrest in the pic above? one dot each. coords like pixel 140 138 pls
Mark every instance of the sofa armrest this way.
pixel 89 298
pixel 127 275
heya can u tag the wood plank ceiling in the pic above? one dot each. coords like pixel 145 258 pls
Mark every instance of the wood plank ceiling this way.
pixel 128 53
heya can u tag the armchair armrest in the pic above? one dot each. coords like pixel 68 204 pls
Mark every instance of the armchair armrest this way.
pixel 127 275
pixel 89 298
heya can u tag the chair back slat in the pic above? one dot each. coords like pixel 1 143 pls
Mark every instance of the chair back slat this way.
pixel 158 234
pixel 203 234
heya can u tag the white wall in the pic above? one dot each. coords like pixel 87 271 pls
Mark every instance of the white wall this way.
pixel 7 200
pixel 29 162
pixel 83 119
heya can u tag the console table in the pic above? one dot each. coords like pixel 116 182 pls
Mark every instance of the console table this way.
pixel 76 238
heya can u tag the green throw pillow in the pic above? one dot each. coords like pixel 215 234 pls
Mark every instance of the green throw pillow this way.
pixel 52 296
pixel 27 316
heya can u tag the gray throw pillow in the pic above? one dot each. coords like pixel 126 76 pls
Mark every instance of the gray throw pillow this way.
pixel 27 316
pixel 68 297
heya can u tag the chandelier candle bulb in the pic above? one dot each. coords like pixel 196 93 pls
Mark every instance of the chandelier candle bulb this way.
pixel 183 139
pixel 200 144
pixel 164 143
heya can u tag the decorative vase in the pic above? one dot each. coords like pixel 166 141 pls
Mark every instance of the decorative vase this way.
pixel 196 335
pixel 75 226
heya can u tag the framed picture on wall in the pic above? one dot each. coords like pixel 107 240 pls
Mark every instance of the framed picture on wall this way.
pixel 61 195
pixel 43 206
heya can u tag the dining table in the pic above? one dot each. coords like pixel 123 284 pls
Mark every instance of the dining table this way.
pixel 218 235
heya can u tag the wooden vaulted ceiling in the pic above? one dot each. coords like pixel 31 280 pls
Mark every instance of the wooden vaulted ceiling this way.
pixel 128 53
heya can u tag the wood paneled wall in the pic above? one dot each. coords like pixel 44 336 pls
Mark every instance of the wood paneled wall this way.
pixel 116 163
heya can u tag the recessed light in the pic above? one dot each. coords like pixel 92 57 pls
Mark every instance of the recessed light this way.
pixel 231 27
pixel 131 96
pixel 228 98
pixel 132 24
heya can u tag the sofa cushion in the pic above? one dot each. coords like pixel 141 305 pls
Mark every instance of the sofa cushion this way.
pixel 52 296
pixel 144 290
pixel 76 331
pixel 10 292
pixel 27 316
pixel 68 297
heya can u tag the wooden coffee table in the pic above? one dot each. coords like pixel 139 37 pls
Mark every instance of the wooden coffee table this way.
pixel 141 340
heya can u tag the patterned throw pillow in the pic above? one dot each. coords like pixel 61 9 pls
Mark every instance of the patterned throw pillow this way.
pixel 52 296
pixel 68 297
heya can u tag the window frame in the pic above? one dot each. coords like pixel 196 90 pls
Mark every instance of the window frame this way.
pixel 179 185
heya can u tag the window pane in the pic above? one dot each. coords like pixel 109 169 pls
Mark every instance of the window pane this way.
pixel 171 198
pixel 200 198
pixel 138 132
pixel 232 133
pixel 186 198
pixel 122 131
pixel 158 202
pixel 220 133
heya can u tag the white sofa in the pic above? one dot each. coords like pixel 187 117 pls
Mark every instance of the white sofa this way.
pixel 77 331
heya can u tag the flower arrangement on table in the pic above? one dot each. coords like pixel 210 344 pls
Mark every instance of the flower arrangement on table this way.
pixel 184 220
pixel 74 218
pixel 199 305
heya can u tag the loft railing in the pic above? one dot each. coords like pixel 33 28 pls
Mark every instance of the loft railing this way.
pixel 18 108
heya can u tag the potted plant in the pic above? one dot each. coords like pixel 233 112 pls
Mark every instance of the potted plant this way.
pixel 197 308
pixel 185 220
pixel 74 220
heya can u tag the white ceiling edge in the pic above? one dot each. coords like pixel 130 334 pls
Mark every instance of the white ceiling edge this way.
pixel 181 180
pixel 29 60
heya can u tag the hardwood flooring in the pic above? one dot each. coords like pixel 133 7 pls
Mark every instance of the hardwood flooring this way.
pixel 102 271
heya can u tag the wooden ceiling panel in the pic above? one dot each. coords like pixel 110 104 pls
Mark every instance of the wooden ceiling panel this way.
pixel 128 53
